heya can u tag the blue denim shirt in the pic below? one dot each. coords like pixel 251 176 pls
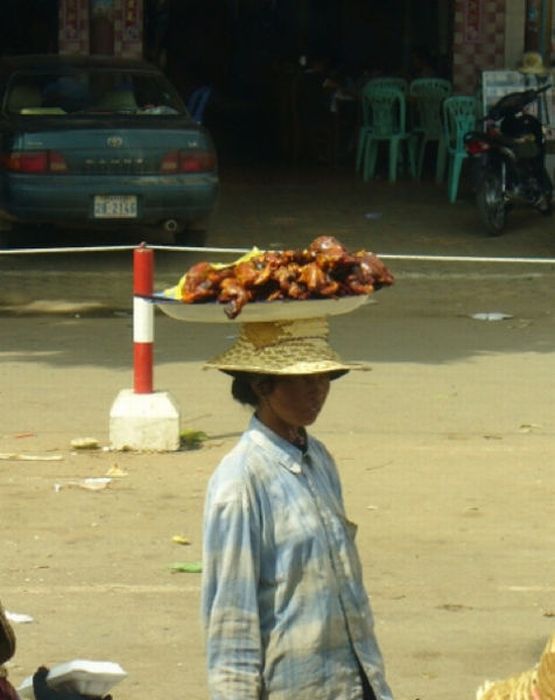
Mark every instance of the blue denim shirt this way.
pixel 284 606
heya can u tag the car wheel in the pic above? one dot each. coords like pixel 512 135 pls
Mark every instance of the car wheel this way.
pixel 29 235
pixel 5 239
pixel 196 238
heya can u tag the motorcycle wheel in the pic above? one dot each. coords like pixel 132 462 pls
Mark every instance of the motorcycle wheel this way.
pixel 491 203
pixel 545 202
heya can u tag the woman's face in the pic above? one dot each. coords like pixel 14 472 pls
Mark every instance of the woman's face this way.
pixel 294 401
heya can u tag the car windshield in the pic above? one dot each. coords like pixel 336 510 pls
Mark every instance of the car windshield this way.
pixel 91 91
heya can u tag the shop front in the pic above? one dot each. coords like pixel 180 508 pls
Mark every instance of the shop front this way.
pixel 113 27
pixel 237 45
pixel 494 35
pixel 464 37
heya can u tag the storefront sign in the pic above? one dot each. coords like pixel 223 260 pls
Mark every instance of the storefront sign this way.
pixel 473 21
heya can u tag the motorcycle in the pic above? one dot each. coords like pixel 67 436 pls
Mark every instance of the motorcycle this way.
pixel 509 160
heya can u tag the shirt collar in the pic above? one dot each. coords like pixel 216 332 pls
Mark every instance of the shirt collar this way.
pixel 288 455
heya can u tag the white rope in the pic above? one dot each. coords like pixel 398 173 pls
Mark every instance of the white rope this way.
pixel 240 251
pixel 43 251
pixel 468 258
pixel 115 248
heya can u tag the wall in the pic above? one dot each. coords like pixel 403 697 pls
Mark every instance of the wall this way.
pixel 514 33
pixel 126 27
pixel 478 41
pixel 73 31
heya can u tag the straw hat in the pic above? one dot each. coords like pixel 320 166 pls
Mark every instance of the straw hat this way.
pixel 7 638
pixel 532 63
pixel 537 683
pixel 283 347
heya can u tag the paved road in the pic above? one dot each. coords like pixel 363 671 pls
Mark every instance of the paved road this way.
pixel 446 447
pixel 286 208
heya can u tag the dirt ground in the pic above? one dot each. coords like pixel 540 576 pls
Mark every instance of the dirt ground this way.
pixel 445 449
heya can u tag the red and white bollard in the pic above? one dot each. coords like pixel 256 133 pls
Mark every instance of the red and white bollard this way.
pixel 141 418
pixel 143 319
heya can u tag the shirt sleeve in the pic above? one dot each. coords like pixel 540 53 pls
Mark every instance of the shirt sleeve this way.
pixel 229 596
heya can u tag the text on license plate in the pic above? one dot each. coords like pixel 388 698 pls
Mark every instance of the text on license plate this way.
pixel 115 207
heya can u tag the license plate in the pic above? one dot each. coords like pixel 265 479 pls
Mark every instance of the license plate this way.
pixel 115 207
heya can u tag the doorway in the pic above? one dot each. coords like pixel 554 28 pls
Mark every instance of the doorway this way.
pixel 28 26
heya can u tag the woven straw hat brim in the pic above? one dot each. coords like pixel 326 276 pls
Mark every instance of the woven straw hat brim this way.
pixel 546 671
pixel 283 348
pixel 515 688
pixel 7 638
pixel 540 678
pixel 231 363
pixel 335 370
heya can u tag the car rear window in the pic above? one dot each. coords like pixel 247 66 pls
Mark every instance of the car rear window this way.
pixel 98 91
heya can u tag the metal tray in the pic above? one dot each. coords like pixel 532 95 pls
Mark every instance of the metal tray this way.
pixel 283 310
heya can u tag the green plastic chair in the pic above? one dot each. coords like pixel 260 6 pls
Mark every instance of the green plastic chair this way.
pixel 427 96
pixel 365 129
pixel 384 119
pixel 459 117
pixel 385 81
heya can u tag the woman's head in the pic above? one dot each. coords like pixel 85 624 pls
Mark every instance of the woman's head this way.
pixel 283 370
pixel 242 387
pixel 285 403
pixel 248 388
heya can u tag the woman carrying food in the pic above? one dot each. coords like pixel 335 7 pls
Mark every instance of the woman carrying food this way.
pixel 283 601
pixel 7 650
pixel 41 689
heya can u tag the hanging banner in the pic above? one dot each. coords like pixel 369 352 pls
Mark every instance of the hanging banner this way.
pixel 70 20
pixel 132 20
pixel 473 21
pixel 73 31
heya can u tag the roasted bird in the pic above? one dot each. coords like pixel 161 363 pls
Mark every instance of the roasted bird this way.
pixel 326 269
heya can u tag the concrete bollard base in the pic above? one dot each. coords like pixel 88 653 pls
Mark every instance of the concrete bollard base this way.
pixel 149 422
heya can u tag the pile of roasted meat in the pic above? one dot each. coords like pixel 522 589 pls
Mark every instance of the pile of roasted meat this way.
pixel 324 270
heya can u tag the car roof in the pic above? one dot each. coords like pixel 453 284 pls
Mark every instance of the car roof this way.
pixel 57 61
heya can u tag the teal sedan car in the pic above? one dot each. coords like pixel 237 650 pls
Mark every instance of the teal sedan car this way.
pixel 97 141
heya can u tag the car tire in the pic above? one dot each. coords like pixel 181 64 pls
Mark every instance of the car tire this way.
pixel 196 238
pixel 5 239
pixel 6 234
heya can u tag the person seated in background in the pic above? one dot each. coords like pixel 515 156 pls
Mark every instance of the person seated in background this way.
pixel 422 64
pixel 41 688
pixel 7 650
pixel 66 92
pixel 315 89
